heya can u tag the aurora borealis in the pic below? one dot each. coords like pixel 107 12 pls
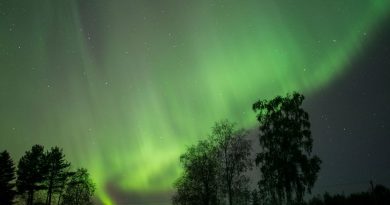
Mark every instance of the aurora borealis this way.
pixel 124 86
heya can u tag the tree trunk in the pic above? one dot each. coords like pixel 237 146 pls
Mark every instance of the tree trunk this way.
pixel 228 181
pixel 230 194
pixel 49 193
pixel 30 197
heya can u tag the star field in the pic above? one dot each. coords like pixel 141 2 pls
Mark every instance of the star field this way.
pixel 123 87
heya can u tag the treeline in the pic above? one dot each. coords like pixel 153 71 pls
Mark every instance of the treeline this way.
pixel 377 195
pixel 43 177
pixel 215 170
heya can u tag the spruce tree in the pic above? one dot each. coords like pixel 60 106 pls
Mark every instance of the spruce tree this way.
pixel 7 175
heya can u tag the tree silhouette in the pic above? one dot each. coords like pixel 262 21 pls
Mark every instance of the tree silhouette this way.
pixel 378 195
pixel 31 172
pixel 61 190
pixel 233 151
pixel 242 196
pixel 79 190
pixel 7 175
pixel 255 198
pixel 57 172
pixel 198 184
pixel 287 167
pixel 188 191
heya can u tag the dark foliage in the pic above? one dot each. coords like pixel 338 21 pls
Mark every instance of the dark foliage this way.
pixel 380 195
pixel 214 169
pixel 255 197
pixel 287 167
pixel 31 173
pixel 79 189
pixel 56 173
pixel 233 152
pixel 48 174
pixel 198 184
pixel 7 175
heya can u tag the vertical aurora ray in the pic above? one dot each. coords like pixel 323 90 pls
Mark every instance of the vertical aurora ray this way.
pixel 124 86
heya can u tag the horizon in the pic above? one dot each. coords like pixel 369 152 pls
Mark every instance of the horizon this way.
pixel 124 87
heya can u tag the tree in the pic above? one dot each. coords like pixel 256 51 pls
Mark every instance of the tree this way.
pixel 80 189
pixel 379 195
pixel 188 191
pixel 287 167
pixel 57 172
pixel 233 151
pixel 198 185
pixel 61 190
pixel 31 172
pixel 7 175
pixel 255 198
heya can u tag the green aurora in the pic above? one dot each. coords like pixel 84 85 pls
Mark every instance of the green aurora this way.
pixel 125 86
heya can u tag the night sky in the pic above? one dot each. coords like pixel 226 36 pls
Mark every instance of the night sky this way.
pixel 124 86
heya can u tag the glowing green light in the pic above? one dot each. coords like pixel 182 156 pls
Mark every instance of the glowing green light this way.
pixel 124 87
